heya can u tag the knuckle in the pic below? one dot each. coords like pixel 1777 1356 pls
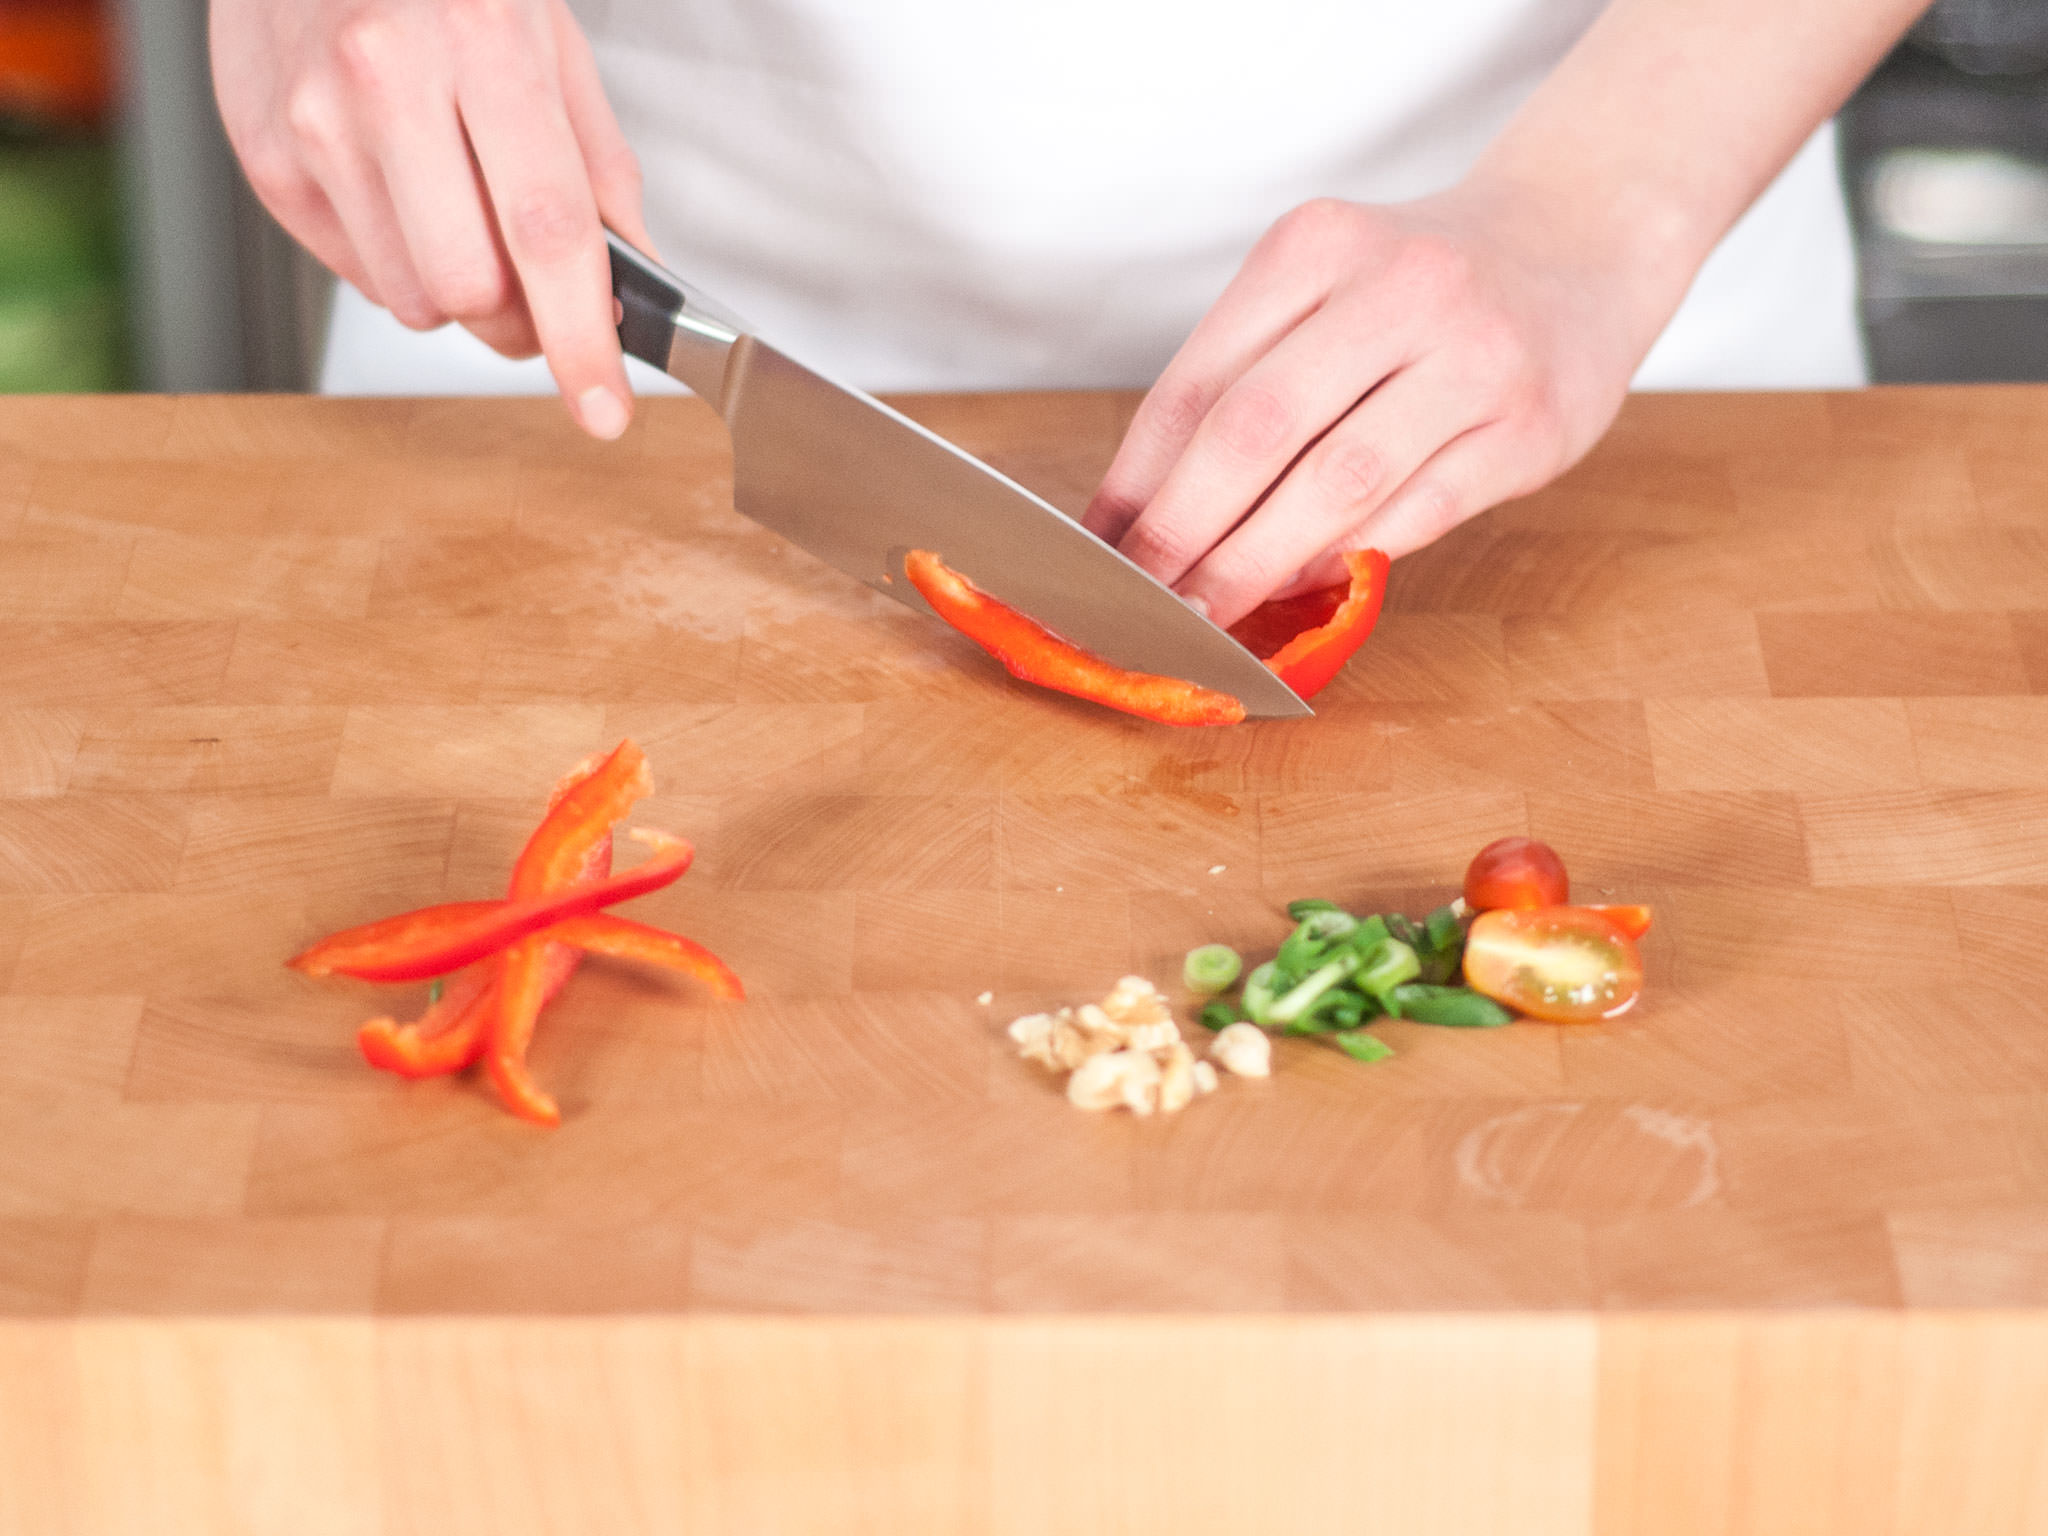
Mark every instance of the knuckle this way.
pixel 1315 224
pixel 313 113
pixel 1174 411
pixel 1246 574
pixel 1435 506
pixel 547 224
pixel 1351 469
pixel 370 49
pixel 416 313
pixel 1252 421
pixel 467 289
pixel 1113 507
pixel 1156 547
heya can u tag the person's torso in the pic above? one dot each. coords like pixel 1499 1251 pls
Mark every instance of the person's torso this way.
pixel 925 194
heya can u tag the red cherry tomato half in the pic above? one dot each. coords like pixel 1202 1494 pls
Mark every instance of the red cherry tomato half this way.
pixel 1516 872
pixel 1565 965
pixel 1633 921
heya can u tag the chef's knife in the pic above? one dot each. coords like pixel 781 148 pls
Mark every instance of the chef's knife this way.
pixel 859 486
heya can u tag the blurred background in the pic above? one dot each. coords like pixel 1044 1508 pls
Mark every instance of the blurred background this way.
pixel 132 256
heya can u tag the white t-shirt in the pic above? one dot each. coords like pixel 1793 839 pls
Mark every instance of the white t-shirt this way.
pixel 924 194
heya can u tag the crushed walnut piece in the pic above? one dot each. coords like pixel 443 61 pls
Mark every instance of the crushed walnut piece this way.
pixel 1244 1049
pixel 1125 1050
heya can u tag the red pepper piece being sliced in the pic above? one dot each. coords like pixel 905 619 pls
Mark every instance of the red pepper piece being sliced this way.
pixel 1307 639
pixel 624 939
pixel 436 940
pixel 1028 650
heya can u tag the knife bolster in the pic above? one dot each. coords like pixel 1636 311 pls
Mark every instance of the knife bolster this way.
pixel 662 323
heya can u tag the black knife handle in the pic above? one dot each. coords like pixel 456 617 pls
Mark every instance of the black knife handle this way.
pixel 663 322
pixel 649 305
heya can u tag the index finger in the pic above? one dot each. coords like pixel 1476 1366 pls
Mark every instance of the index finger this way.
pixel 1285 279
pixel 1254 313
pixel 510 94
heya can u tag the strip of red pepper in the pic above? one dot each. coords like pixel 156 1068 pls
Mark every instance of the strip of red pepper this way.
pixel 572 842
pixel 1306 640
pixel 440 1042
pixel 624 939
pixel 451 1034
pixel 522 993
pixel 491 1008
pixel 1028 650
pixel 433 941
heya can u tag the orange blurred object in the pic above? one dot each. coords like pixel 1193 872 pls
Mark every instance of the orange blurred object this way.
pixel 56 61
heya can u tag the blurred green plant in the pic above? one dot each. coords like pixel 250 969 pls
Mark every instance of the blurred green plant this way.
pixel 62 315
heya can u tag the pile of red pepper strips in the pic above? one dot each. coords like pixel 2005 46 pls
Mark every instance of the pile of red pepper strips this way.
pixel 1305 640
pixel 514 955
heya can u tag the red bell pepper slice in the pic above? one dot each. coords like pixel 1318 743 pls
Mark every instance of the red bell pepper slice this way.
pixel 451 1034
pixel 523 950
pixel 408 1049
pixel 572 843
pixel 1028 650
pixel 436 940
pixel 586 804
pixel 624 939
pixel 1307 639
pixel 522 993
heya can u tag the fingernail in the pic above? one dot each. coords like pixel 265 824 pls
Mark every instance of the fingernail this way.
pixel 1198 605
pixel 603 413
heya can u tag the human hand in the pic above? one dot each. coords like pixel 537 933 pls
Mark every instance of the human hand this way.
pixel 452 159
pixel 1372 377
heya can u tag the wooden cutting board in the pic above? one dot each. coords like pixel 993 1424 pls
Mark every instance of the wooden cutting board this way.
pixel 1770 1254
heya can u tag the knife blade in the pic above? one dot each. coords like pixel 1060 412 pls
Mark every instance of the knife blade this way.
pixel 860 485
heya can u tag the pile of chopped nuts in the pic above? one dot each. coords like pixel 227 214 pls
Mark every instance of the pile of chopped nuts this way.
pixel 1128 1050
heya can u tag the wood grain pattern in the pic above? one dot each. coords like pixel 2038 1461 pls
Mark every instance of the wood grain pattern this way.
pixel 1769 1254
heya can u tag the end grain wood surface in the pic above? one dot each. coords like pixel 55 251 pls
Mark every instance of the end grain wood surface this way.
pixel 1777 665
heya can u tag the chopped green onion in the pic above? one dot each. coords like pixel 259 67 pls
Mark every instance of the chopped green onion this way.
pixel 1387 968
pixel 1444 931
pixel 1362 1045
pixel 1295 1002
pixel 1399 927
pixel 1298 911
pixel 1328 925
pixel 1454 1007
pixel 1259 993
pixel 1338 1008
pixel 1299 953
pixel 1442 947
pixel 1367 936
pixel 434 991
pixel 1348 1009
pixel 1211 968
pixel 1219 1014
